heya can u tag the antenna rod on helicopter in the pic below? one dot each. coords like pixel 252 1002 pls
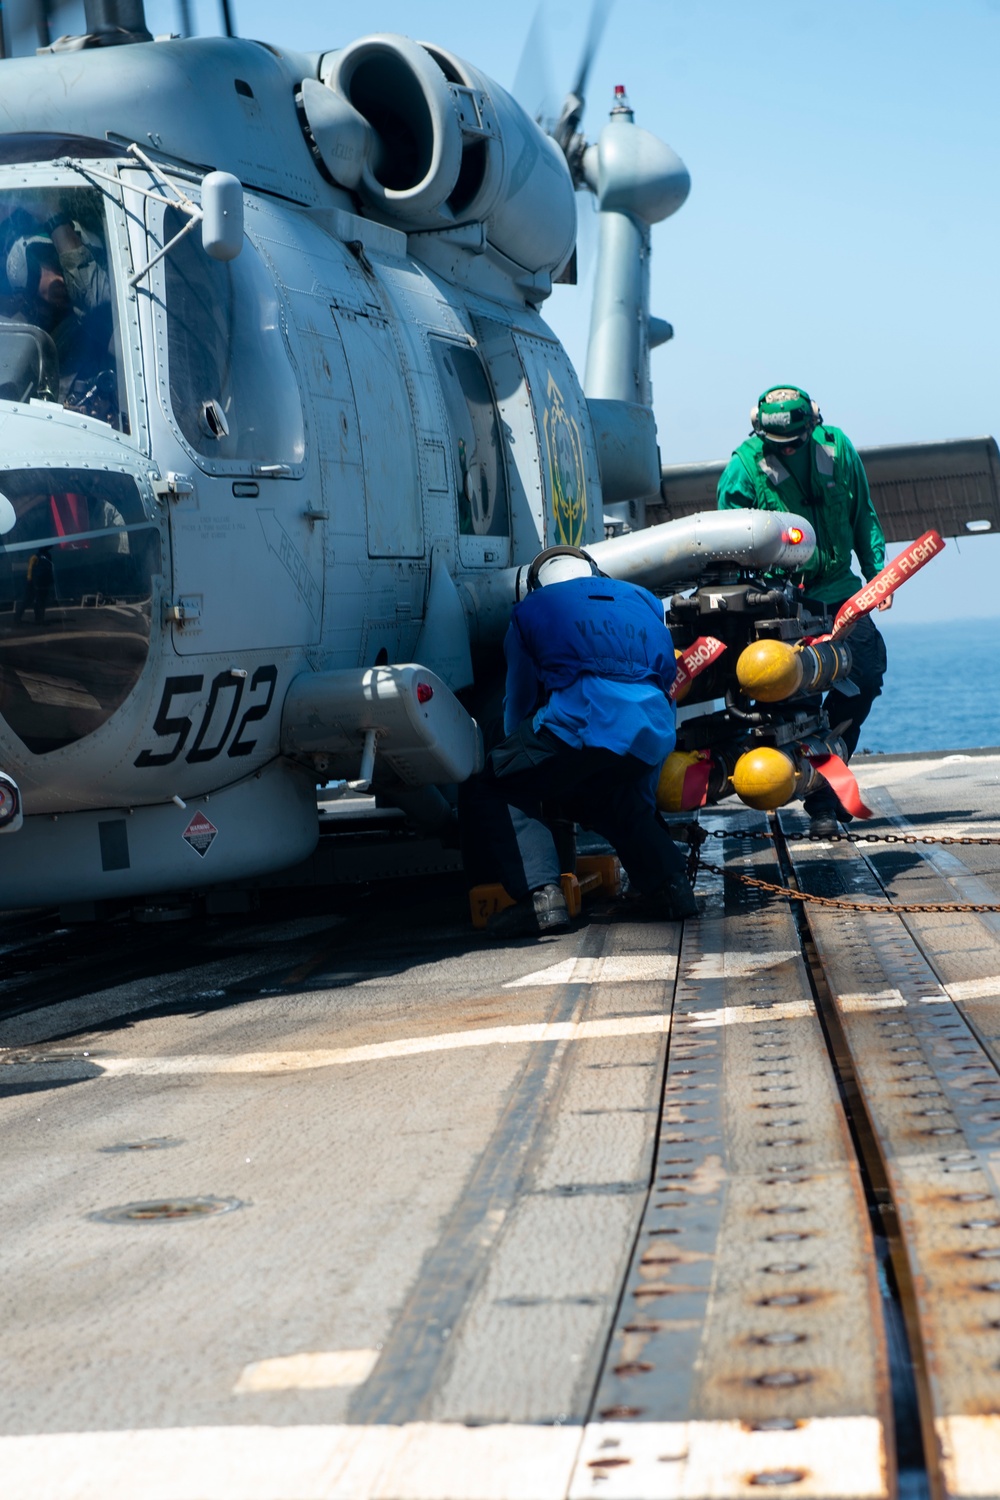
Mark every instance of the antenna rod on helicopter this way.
pixel 114 22
pixel 227 18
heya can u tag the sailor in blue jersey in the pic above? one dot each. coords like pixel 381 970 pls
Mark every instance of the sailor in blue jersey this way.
pixel 588 723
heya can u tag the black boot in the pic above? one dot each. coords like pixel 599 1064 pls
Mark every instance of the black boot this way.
pixel 673 902
pixel 678 900
pixel 545 910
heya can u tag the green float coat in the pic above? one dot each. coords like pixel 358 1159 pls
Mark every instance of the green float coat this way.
pixel 825 482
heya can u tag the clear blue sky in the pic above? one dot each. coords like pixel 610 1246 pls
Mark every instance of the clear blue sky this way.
pixel 842 227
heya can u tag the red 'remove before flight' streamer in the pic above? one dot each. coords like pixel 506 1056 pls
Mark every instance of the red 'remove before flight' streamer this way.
pixel 884 584
pixel 694 660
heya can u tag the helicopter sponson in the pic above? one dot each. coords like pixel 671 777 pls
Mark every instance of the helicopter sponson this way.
pixel 281 427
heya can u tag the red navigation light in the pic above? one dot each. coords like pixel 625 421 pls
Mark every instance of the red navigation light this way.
pixel 424 692
pixel 8 803
pixel 619 91
pixel 795 535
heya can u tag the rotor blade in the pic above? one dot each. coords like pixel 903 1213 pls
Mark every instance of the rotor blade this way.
pixel 600 10
pixel 534 85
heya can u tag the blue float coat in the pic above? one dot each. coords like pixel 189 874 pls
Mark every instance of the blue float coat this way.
pixel 592 660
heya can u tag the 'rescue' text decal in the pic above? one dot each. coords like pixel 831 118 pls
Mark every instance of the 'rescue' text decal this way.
pixel 218 719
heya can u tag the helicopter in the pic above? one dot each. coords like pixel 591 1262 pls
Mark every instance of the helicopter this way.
pixel 283 428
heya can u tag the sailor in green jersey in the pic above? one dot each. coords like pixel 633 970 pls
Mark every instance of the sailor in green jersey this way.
pixel 794 461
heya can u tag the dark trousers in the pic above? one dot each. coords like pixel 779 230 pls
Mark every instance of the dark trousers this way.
pixel 504 837
pixel 868 666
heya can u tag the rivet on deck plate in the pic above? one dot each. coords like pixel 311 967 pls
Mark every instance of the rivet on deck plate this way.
pixel 784 1299
pixel 971 1197
pixel 167 1210
pixel 775 1424
pixel 634 1367
pixel 785 1236
pixel 983 1254
pixel 780 1338
pixel 782 1378
pixel 621 1413
pixel 943 1129
pixel 981 1224
pixel 989 1286
pixel 785 1208
pixel 789 1268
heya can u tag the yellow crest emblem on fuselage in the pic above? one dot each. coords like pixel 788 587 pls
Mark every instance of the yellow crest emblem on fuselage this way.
pixel 567 475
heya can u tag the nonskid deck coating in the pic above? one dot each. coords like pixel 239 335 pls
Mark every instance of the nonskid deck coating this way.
pixel 510 1216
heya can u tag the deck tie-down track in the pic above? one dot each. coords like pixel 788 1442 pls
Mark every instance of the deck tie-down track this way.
pixel 915 1003
pixel 659 1281
pixel 748 1355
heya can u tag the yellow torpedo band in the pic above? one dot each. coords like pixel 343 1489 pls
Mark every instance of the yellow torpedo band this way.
pixel 764 778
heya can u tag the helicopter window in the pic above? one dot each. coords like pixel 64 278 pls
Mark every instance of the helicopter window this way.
pixel 78 556
pixel 233 390
pixel 59 335
pixel 480 476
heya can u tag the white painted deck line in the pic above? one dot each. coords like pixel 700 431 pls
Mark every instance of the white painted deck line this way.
pixel 308 1372
pixel 620 968
pixel 970 1456
pixel 839 1458
pixel 974 989
pixel 414 1046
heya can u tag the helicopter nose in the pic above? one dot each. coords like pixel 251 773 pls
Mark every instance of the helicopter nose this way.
pixel 78 556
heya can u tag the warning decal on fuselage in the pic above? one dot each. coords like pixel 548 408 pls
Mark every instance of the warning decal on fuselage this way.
pixel 200 834
pixel 567 476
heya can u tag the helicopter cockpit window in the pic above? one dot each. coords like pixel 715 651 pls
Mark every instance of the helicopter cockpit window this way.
pixel 233 390
pixel 59 336
pixel 78 556
pixel 480 476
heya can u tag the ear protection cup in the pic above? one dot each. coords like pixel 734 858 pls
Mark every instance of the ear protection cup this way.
pixel 549 553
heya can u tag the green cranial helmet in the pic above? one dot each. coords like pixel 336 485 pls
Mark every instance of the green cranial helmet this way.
pixel 784 414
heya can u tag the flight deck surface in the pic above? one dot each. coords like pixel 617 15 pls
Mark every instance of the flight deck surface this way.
pixel 360 1204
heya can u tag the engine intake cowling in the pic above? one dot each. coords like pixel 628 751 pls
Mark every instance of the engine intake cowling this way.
pixel 429 143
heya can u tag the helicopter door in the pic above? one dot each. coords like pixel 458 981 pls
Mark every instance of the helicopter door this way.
pixel 386 422
pixel 248 563
pixel 479 472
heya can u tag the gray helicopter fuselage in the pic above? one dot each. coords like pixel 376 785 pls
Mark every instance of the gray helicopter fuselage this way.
pixel 268 491
pixel 389 435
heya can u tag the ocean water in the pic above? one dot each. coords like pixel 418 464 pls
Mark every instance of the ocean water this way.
pixel 942 689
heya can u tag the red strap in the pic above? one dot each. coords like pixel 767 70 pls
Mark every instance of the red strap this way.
pixel 833 769
pixel 884 584
pixel 694 660
pixel 694 787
